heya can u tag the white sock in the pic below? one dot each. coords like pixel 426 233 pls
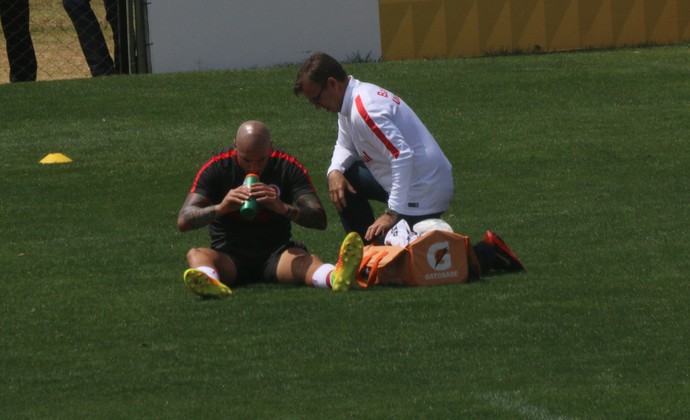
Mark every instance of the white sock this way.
pixel 322 276
pixel 208 271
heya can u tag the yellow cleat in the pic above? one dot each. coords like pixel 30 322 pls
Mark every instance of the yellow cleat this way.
pixel 200 284
pixel 345 273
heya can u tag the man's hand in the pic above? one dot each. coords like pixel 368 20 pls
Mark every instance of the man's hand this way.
pixel 233 200
pixel 337 184
pixel 380 227
pixel 198 211
pixel 268 197
pixel 307 211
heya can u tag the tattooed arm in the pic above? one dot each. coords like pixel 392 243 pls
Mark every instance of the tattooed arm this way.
pixel 196 212
pixel 307 212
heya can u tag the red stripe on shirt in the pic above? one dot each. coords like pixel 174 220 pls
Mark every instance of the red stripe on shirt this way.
pixel 232 153
pixel 214 159
pixel 374 128
pixel 293 160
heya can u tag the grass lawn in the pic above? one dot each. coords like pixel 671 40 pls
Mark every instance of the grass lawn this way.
pixel 579 161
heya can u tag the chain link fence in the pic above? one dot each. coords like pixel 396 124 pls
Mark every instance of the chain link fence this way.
pixel 61 50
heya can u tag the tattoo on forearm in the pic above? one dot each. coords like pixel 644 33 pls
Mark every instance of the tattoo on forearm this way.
pixel 196 217
pixel 292 212
pixel 309 212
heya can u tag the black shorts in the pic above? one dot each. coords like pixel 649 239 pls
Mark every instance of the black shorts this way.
pixel 261 267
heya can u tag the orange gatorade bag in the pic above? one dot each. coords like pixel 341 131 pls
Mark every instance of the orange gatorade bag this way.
pixel 437 257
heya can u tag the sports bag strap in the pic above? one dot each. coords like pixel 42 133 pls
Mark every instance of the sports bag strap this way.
pixel 375 257
pixel 362 266
pixel 475 268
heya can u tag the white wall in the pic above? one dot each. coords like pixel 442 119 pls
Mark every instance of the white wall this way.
pixel 191 35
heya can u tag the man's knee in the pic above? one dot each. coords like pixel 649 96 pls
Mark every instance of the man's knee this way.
pixel 196 255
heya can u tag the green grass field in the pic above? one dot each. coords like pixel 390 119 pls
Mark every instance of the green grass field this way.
pixel 581 162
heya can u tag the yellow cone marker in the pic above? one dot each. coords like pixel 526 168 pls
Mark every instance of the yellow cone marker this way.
pixel 56 158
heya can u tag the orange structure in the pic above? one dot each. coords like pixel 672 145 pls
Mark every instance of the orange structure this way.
pixel 464 28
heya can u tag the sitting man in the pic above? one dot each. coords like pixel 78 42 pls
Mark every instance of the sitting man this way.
pixel 259 249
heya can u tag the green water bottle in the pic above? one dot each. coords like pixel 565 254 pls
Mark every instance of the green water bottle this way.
pixel 249 207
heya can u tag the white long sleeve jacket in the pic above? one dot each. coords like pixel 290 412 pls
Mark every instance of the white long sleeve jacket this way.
pixel 378 127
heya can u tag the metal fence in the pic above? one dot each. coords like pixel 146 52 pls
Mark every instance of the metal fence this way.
pixel 73 38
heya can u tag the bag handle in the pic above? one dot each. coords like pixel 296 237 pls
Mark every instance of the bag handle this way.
pixel 373 274
pixel 475 269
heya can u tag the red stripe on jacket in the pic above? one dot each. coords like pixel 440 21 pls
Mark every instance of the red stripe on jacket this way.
pixel 374 128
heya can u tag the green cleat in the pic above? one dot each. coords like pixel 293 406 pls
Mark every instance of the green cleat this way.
pixel 200 284
pixel 345 273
